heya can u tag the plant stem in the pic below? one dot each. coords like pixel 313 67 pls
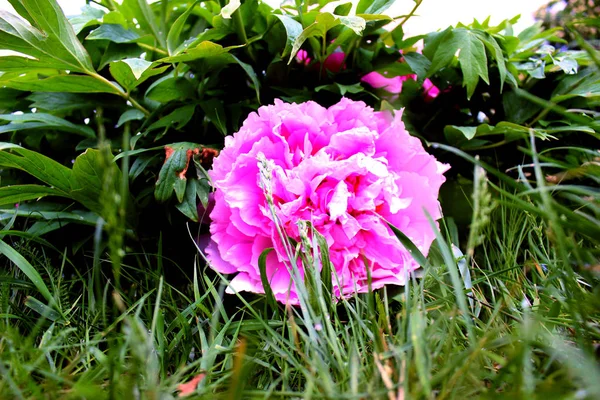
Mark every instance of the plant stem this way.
pixel 240 30
pixel 152 48
pixel 119 92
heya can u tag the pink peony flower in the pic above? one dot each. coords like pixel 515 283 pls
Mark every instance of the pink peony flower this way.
pixel 344 169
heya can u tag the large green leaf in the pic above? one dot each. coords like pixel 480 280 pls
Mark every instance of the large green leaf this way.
pixel 42 121
pixel 41 167
pixel 61 83
pixel 84 183
pixel 18 193
pixel 51 34
pixel 471 56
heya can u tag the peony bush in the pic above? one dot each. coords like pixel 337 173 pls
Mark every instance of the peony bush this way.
pixel 347 170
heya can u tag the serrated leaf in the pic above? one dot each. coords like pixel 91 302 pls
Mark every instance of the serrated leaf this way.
pixel 471 56
pixel 293 29
pixel 174 36
pixel 496 52
pixel 114 33
pixel 42 121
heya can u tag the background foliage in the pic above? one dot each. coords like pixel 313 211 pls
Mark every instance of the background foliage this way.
pixel 111 118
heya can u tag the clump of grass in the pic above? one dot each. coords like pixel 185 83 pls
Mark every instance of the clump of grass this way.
pixel 522 324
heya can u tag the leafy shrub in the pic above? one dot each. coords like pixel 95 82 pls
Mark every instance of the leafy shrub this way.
pixel 111 119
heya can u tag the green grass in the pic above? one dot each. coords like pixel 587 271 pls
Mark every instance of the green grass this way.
pixel 523 323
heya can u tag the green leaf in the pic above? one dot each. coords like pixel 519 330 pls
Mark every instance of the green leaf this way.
pixel 18 193
pixel 61 83
pixel 170 88
pixel 418 63
pixel 177 119
pixel 27 269
pixel 467 131
pixel 89 16
pixel 52 212
pixel 496 52
pixel 373 6
pixel 293 29
pixel 205 49
pixel 128 72
pixel 356 23
pixel 141 11
pixel 319 28
pixel 41 167
pixel 114 33
pixel 88 178
pixel 471 56
pixel 43 310
pixel 341 89
pixel 58 39
pixel 173 38
pixel 62 102
pixel 42 121
pixel 251 74
pixel 188 205
pixel 130 115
